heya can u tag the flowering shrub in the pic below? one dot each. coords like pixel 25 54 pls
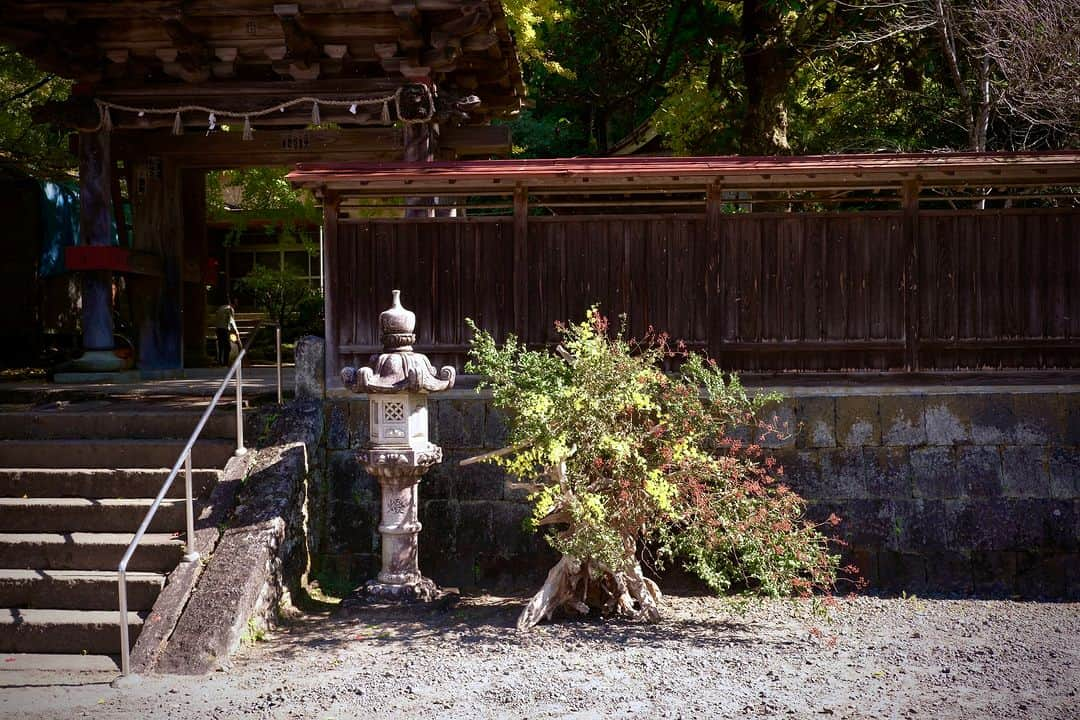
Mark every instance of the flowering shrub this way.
pixel 647 457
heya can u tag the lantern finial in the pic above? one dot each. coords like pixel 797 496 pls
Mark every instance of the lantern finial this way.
pixel 398 369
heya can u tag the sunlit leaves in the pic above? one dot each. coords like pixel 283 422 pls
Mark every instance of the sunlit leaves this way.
pixel 649 456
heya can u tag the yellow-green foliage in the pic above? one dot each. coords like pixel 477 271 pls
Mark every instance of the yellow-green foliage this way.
pixel 649 456
pixel 525 18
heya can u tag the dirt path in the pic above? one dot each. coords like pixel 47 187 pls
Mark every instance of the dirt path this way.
pixel 896 658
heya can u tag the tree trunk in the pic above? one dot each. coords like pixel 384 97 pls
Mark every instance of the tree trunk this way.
pixel 767 69
pixel 576 585
pixel 579 586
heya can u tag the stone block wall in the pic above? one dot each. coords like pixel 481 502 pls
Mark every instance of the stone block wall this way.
pixel 968 490
pixel 971 489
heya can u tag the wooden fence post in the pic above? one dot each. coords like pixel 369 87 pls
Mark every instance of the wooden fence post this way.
pixel 910 200
pixel 713 291
pixel 521 261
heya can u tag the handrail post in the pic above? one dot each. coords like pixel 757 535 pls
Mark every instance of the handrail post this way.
pixel 125 651
pixel 277 341
pixel 240 449
pixel 183 459
pixel 192 554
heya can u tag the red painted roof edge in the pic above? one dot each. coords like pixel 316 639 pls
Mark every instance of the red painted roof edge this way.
pixel 714 165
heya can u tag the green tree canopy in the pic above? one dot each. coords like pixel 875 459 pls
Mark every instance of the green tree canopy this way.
pixel 38 149
pixel 799 76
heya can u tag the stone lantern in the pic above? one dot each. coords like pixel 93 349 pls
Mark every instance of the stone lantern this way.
pixel 399 453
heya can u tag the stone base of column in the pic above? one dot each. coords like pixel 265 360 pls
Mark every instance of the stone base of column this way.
pixel 98 361
pixel 376 594
pixel 417 591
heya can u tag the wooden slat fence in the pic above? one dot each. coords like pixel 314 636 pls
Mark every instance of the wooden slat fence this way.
pixel 817 292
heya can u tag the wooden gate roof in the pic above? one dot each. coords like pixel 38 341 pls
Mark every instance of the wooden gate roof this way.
pixel 590 174
pixel 247 54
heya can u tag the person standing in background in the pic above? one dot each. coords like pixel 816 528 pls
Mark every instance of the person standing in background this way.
pixel 224 320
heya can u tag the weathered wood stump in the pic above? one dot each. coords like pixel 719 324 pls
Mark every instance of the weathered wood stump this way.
pixel 579 586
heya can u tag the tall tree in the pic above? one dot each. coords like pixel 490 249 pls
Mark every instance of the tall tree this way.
pixel 600 67
pixel 1012 61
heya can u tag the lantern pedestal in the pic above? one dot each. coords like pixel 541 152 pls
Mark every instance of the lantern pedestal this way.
pixel 399 471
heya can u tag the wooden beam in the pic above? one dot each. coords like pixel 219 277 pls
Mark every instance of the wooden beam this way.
pixel 225 62
pixel 153 9
pixel 476 140
pixel 385 51
pixel 303 51
pixel 443 60
pixel 192 63
pixel 299 70
pixel 76 112
pixel 184 40
pixel 66 52
pixel 112 259
pixel 480 41
pixel 260 92
pixel 410 35
pixel 474 18
pixel 269 147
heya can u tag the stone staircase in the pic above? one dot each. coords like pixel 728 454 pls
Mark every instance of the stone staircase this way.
pixel 76 480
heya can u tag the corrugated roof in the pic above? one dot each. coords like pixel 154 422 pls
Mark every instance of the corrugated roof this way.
pixel 729 171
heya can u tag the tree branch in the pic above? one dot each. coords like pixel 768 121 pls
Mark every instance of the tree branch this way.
pixel 27 91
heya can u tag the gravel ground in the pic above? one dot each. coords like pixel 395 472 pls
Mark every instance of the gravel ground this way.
pixel 877 658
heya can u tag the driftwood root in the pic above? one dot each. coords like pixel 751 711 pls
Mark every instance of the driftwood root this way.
pixel 571 587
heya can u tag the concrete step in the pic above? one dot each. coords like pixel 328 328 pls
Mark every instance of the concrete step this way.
pixel 76 589
pixel 66 421
pixel 110 453
pixel 64 631
pixel 65 515
pixel 99 483
pixel 158 552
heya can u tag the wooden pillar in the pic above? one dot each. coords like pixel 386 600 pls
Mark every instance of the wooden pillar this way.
pixel 448 207
pixel 420 142
pixel 159 229
pixel 329 263
pixel 910 201
pixel 193 192
pixel 95 228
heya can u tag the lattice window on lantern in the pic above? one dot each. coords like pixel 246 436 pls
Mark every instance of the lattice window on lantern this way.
pixel 393 412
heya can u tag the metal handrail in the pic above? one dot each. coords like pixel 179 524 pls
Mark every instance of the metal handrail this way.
pixel 185 460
